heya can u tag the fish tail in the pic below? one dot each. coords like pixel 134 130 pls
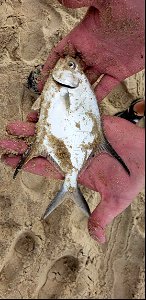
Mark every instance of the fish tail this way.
pixel 81 202
pixel 60 197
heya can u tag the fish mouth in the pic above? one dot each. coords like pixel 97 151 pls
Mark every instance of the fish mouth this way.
pixel 66 78
pixel 65 85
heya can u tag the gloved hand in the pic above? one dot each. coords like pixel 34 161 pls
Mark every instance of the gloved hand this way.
pixel 103 174
pixel 108 41
pixel 39 165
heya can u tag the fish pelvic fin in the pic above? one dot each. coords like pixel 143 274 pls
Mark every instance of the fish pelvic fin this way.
pixel 105 146
pixel 60 197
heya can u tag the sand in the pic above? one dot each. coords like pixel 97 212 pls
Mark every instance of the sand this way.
pixel 57 259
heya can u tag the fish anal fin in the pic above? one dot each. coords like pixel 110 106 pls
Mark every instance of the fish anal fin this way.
pixel 31 152
pixel 53 161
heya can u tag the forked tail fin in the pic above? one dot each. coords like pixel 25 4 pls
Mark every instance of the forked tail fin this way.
pixel 81 202
pixel 60 197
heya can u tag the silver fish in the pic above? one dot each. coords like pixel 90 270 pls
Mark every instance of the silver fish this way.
pixel 69 129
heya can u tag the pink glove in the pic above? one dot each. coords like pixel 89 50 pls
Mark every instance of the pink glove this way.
pixel 117 189
pixel 109 41
pixel 101 41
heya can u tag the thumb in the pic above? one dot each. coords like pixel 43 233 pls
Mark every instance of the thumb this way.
pixel 64 47
pixel 104 214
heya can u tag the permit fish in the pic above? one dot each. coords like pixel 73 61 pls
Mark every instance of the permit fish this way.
pixel 69 130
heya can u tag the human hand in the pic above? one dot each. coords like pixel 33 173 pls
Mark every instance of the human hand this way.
pixel 109 41
pixel 117 189
pixel 39 165
pixel 105 175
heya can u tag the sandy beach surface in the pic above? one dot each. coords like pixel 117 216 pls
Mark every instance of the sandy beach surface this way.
pixel 57 259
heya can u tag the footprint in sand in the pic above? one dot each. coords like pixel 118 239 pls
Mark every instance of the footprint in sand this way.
pixel 41 22
pixel 28 27
pixel 8 226
pixel 5 205
pixel 13 268
pixel 127 269
pixel 62 274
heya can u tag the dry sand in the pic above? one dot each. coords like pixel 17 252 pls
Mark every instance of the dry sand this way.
pixel 58 259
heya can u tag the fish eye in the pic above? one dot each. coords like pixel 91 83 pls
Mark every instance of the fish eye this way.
pixel 71 64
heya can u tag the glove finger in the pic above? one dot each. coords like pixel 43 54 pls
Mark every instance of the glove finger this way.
pixel 105 85
pixel 33 116
pixel 92 74
pixel 20 128
pixel 11 161
pixel 11 146
pixel 39 166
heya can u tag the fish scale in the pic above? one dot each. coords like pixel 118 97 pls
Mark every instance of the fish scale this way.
pixel 69 128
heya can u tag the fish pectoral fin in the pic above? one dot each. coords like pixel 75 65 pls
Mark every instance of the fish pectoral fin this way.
pixel 37 104
pixel 106 147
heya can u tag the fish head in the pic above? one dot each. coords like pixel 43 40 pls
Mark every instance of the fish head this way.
pixel 67 72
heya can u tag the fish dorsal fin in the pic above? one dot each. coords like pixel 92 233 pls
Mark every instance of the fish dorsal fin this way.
pixel 106 147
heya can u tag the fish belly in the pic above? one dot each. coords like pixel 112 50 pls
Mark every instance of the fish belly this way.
pixel 68 124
